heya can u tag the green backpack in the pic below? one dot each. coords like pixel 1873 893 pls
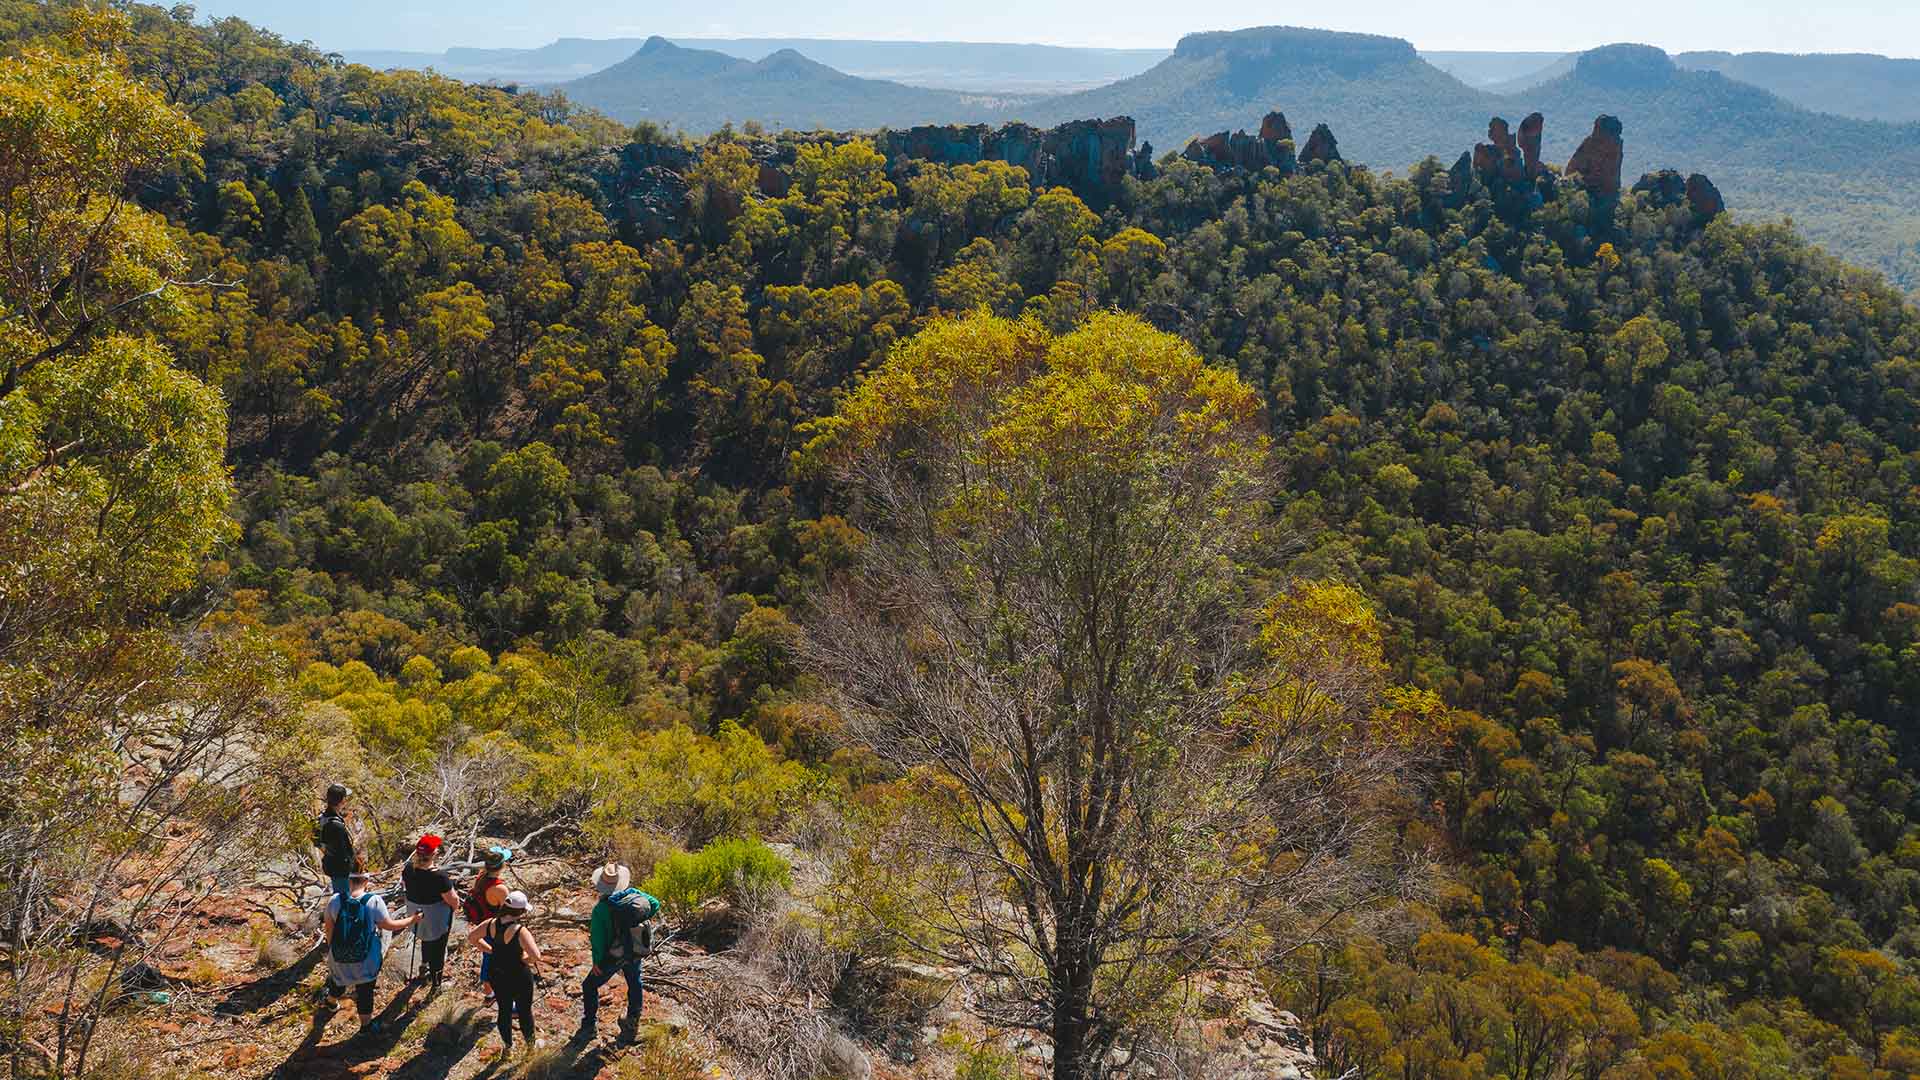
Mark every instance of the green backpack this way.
pixel 633 912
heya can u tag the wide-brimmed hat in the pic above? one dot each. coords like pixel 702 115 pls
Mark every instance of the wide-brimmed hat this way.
pixel 611 878
pixel 516 901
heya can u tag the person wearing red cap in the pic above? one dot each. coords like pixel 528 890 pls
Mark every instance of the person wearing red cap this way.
pixel 430 895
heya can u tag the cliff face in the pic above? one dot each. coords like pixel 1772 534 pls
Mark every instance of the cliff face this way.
pixel 1273 146
pixel 1090 156
pixel 1094 158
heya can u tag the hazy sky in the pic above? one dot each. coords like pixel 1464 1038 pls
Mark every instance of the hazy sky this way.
pixel 1884 26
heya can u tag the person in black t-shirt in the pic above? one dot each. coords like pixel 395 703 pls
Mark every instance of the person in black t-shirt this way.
pixel 430 893
pixel 335 841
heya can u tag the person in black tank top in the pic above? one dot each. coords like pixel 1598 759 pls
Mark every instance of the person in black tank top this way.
pixel 514 961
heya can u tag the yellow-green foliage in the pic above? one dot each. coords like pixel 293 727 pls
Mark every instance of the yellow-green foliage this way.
pixel 690 785
pixel 733 869
pixel 576 745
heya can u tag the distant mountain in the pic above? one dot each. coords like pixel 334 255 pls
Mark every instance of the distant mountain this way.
pixel 1486 69
pixel 567 58
pixel 1851 184
pixel 955 65
pixel 1861 85
pixel 950 65
pixel 698 90
pixel 1385 103
pixel 1854 185
pixel 1528 80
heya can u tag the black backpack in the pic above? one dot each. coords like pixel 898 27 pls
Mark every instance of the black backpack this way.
pixel 633 913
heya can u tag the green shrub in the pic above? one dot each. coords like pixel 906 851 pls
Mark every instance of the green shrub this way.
pixel 983 1062
pixel 728 868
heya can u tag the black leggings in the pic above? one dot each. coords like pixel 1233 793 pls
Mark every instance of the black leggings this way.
pixel 434 953
pixel 362 996
pixel 512 998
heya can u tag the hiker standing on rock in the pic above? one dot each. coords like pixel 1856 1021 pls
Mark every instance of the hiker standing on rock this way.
pixel 335 840
pixel 430 895
pixel 354 920
pixel 485 899
pixel 515 964
pixel 621 930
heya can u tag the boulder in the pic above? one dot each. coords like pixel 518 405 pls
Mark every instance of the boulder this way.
pixel 1599 157
pixel 1667 187
pixel 1704 197
pixel 1321 146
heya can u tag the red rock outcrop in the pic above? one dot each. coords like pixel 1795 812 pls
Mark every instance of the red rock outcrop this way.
pixel 1704 197
pixel 1321 146
pixel 1531 130
pixel 1273 146
pixel 1599 157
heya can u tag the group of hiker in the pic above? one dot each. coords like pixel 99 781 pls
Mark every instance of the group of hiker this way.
pixel 511 963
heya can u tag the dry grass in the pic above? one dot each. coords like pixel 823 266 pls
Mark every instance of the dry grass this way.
pixel 662 1056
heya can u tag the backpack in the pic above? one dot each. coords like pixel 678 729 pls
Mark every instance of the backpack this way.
pixel 353 931
pixel 336 854
pixel 633 913
pixel 473 906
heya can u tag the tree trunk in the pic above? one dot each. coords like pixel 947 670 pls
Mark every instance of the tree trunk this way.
pixel 1073 1022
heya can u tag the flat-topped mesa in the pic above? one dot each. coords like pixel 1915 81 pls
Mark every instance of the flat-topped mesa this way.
pixel 1321 146
pixel 1598 160
pixel 1272 147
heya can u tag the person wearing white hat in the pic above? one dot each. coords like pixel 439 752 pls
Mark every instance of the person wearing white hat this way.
pixel 621 937
pixel 514 963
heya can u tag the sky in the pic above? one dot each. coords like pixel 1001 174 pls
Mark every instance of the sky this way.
pixel 1883 26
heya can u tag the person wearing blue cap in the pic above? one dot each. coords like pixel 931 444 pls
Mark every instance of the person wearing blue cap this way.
pixel 485 900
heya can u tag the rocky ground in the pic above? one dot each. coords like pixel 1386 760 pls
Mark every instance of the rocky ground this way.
pixel 243 999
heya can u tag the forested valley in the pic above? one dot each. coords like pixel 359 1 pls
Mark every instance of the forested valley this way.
pixel 1602 511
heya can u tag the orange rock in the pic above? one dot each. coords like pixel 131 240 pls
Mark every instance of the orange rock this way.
pixel 1599 157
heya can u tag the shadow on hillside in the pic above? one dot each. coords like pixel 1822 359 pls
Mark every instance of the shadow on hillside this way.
pixel 268 989
pixel 447 1043
pixel 359 1045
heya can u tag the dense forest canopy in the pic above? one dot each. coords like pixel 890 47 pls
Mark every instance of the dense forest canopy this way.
pixel 1636 496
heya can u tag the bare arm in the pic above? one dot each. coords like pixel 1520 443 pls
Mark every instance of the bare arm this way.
pixel 451 899
pixel 396 925
pixel 531 950
pixel 478 936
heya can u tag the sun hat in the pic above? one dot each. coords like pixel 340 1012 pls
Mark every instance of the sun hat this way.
pixel 611 878
pixel 516 901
